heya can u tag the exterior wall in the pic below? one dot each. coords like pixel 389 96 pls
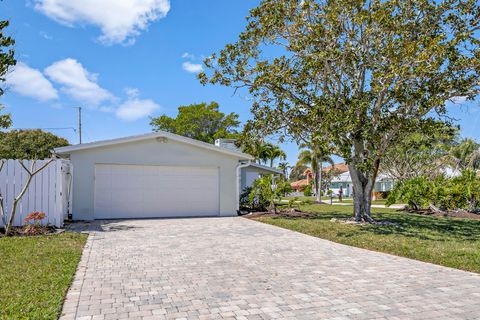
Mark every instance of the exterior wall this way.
pixel 249 175
pixel 149 152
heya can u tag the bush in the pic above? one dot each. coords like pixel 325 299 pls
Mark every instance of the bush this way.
pixel 307 191
pixel 462 192
pixel 244 198
pixel 416 192
pixel 284 188
pixel 261 196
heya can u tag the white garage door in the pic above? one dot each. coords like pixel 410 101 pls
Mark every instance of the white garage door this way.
pixel 136 191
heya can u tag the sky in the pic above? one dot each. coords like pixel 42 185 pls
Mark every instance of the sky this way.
pixel 125 61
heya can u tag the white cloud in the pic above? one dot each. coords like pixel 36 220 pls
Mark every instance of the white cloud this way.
pixel 133 109
pixel 120 20
pixel 132 92
pixel 78 82
pixel 31 83
pixel 187 55
pixel 192 67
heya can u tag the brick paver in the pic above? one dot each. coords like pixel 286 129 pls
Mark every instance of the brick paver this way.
pixel 234 268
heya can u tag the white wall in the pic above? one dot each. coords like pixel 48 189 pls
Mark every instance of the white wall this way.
pixel 149 152
pixel 249 175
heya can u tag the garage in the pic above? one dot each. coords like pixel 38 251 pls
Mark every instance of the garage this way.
pixel 123 191
pixel 154 175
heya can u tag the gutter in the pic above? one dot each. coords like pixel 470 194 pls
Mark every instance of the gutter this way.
pixel 239 180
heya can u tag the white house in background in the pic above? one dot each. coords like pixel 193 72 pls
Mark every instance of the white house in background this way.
pixel 343 179
pixel 157 175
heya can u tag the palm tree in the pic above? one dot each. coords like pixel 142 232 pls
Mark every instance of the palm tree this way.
pixel 315 159
pixel 284 166
pixel 465 155
pixel 274 152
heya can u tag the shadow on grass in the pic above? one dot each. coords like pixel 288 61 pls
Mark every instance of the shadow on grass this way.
pixel 409 225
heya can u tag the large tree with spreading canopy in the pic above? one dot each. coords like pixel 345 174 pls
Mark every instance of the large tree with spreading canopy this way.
pixel 355 74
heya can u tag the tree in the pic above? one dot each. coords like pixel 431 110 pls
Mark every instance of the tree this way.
pixel 263 152
pixel 7 60
pixel 285 167
pixel 199 121
pixel 419 154
pixel 270 152
pixel 29 144
pixel 315 159
pixel 297 172
pixel 363 73
pixel 465 155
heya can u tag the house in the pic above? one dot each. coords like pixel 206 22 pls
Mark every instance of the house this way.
pixel 341 179
pixel 157 175
pixel 300 185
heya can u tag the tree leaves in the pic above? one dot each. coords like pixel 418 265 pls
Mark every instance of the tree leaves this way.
pixel 200 121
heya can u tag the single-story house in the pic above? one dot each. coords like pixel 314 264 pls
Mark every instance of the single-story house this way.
pixel 384 183
pixel 342 179
pixel 158 174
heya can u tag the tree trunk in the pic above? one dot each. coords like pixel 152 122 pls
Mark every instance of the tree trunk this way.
pixel 319 184
pixel 316 183
pixel 362 197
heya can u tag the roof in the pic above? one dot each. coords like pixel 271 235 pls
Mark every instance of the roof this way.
pixel 154 135
pixel 300 183
pixel 340 167
pixel 259 166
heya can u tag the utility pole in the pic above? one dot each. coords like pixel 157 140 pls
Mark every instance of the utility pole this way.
pixel 79 124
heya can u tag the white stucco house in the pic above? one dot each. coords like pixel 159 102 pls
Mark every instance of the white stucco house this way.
pixel 157 175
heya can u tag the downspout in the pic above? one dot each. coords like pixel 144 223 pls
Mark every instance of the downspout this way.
pixel 239 181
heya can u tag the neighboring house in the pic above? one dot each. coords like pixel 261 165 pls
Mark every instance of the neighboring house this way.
pixel 342 179
pixel 300 185
pixel 155 175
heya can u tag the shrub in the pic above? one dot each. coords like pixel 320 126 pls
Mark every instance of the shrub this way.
pixel 262 195
pixel 462 192
pixel 244 198
pixel 35 227
pixel 34 216
pixel 307 191
pixel 284 188
pixel 416 192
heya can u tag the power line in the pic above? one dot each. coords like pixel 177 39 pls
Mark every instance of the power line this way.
pixel 66 128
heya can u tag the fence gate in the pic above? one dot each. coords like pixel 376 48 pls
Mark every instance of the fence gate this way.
pixel 49 191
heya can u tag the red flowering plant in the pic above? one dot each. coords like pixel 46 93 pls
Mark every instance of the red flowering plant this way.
pixel 35 227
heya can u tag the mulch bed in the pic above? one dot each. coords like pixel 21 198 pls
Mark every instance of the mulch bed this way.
pixel 27 232
pixel 293 213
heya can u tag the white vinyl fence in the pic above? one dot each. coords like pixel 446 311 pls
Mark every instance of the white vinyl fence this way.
pixel 49 191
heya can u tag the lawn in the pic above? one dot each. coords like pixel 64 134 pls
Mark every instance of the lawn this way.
pixel 335 199
pixel 35 273
pixel 445 241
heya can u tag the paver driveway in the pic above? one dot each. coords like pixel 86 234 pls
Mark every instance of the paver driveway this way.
pixel 234 268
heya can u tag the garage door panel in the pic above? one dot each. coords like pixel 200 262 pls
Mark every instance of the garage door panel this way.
pixel 135 191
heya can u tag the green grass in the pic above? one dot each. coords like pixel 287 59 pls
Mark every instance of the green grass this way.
pixel 327 199
pixel 445 241
pixel 35 273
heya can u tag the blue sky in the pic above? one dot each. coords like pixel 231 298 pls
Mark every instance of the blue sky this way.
pixel 123 62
